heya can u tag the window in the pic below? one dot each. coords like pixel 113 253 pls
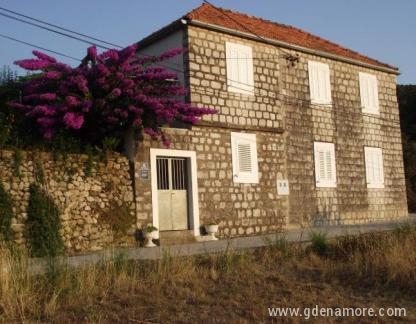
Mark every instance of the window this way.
pixel 374 167
pixel 239 68
pixel 319 83
pixel 244 158
pixel 369 93
pixel 325 170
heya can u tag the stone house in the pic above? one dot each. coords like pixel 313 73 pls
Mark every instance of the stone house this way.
pixel 307 132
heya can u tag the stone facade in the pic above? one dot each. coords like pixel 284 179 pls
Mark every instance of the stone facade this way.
pixel 286 125
pixel 345 125
pixel 89 204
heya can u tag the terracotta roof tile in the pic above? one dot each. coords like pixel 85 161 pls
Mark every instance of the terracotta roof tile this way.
pixel 268 29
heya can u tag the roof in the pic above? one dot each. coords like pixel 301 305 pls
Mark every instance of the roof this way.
pixel 265 29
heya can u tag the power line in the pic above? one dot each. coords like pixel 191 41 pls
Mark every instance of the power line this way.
pixel 77 38
pixel 39 47
pixel 53 31
pixel 58 27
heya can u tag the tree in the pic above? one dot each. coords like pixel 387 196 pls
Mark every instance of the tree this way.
pixel 406 95
pixel 106 95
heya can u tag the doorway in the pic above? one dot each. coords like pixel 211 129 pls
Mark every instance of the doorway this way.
pixel 174 190
pixel 172 193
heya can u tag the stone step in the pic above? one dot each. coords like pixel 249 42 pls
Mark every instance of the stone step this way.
pixel 176 237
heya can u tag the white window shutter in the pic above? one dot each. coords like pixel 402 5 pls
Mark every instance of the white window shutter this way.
pixel 374 167
pixel 321 166
pixel 244 158
pixel 325 166
pixel 239 59
pixel 369 93
pixel 319 83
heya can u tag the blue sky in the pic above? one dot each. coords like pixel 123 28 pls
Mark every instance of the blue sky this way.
pixel 384 30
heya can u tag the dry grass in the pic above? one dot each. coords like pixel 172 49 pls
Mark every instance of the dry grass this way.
pixel 373 270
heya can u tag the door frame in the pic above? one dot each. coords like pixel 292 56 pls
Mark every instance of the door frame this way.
pixel 193 185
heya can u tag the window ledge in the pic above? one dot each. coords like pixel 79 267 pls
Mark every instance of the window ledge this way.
pixel 322 104
pixel 371 112
pixel 326 185
pixel 249 93
pixel 375 185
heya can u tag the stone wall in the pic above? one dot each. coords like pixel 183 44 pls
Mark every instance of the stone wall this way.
pixel 345 125
pixel 96 209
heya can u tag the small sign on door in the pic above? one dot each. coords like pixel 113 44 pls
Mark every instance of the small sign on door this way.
pixel 283 187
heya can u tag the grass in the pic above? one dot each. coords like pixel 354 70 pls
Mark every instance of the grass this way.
pixel 371 270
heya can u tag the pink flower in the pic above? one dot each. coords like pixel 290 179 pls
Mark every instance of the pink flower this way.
pixel 48 96
pixel 152 133
pixel 170 53
pixel 44 56
pixel 128 83
pixel 52 75
pixel 73 120
pixel 32 64
pixel 71 101
pixel 111 54
pixel 92 53
pixel 137 122
pixel 116 92
pixel 46 122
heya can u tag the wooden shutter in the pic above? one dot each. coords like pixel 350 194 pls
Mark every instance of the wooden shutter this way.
pixel 374 167
pixel 325 166
pixel 244 158
pixel 369 93
pixel 239 68
pixel 319 83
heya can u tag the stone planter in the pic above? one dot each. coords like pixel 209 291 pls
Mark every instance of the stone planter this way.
pixel 150 236
pixel 211 229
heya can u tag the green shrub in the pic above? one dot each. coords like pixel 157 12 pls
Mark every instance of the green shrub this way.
pixel 6 214
pixel 319 243
pixel 43 224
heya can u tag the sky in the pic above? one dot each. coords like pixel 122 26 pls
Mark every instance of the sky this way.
pixel 384 30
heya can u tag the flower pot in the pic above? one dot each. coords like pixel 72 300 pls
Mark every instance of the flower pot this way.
pixel 150 236
pixel 211 230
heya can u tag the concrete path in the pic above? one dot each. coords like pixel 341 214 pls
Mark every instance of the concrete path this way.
pixel 234 244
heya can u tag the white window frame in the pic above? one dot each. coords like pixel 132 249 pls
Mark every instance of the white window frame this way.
pixel 240 77
pixel 239 140
pixel 373 162
pixel 369 93
pixel 321 152
pixel 319 83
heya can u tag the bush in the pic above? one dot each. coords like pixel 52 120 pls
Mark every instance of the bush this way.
pixel 43 224
pixel 319 243
pixel 6 215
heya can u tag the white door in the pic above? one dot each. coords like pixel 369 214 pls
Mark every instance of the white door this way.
pixel 172 193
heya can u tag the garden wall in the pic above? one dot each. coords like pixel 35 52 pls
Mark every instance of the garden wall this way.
pixel 95 198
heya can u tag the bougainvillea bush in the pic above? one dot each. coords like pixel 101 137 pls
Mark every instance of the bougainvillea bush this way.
pixel 106 95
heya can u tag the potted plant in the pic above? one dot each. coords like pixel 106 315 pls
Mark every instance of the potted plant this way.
pixel 211 228
pixel 150 233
